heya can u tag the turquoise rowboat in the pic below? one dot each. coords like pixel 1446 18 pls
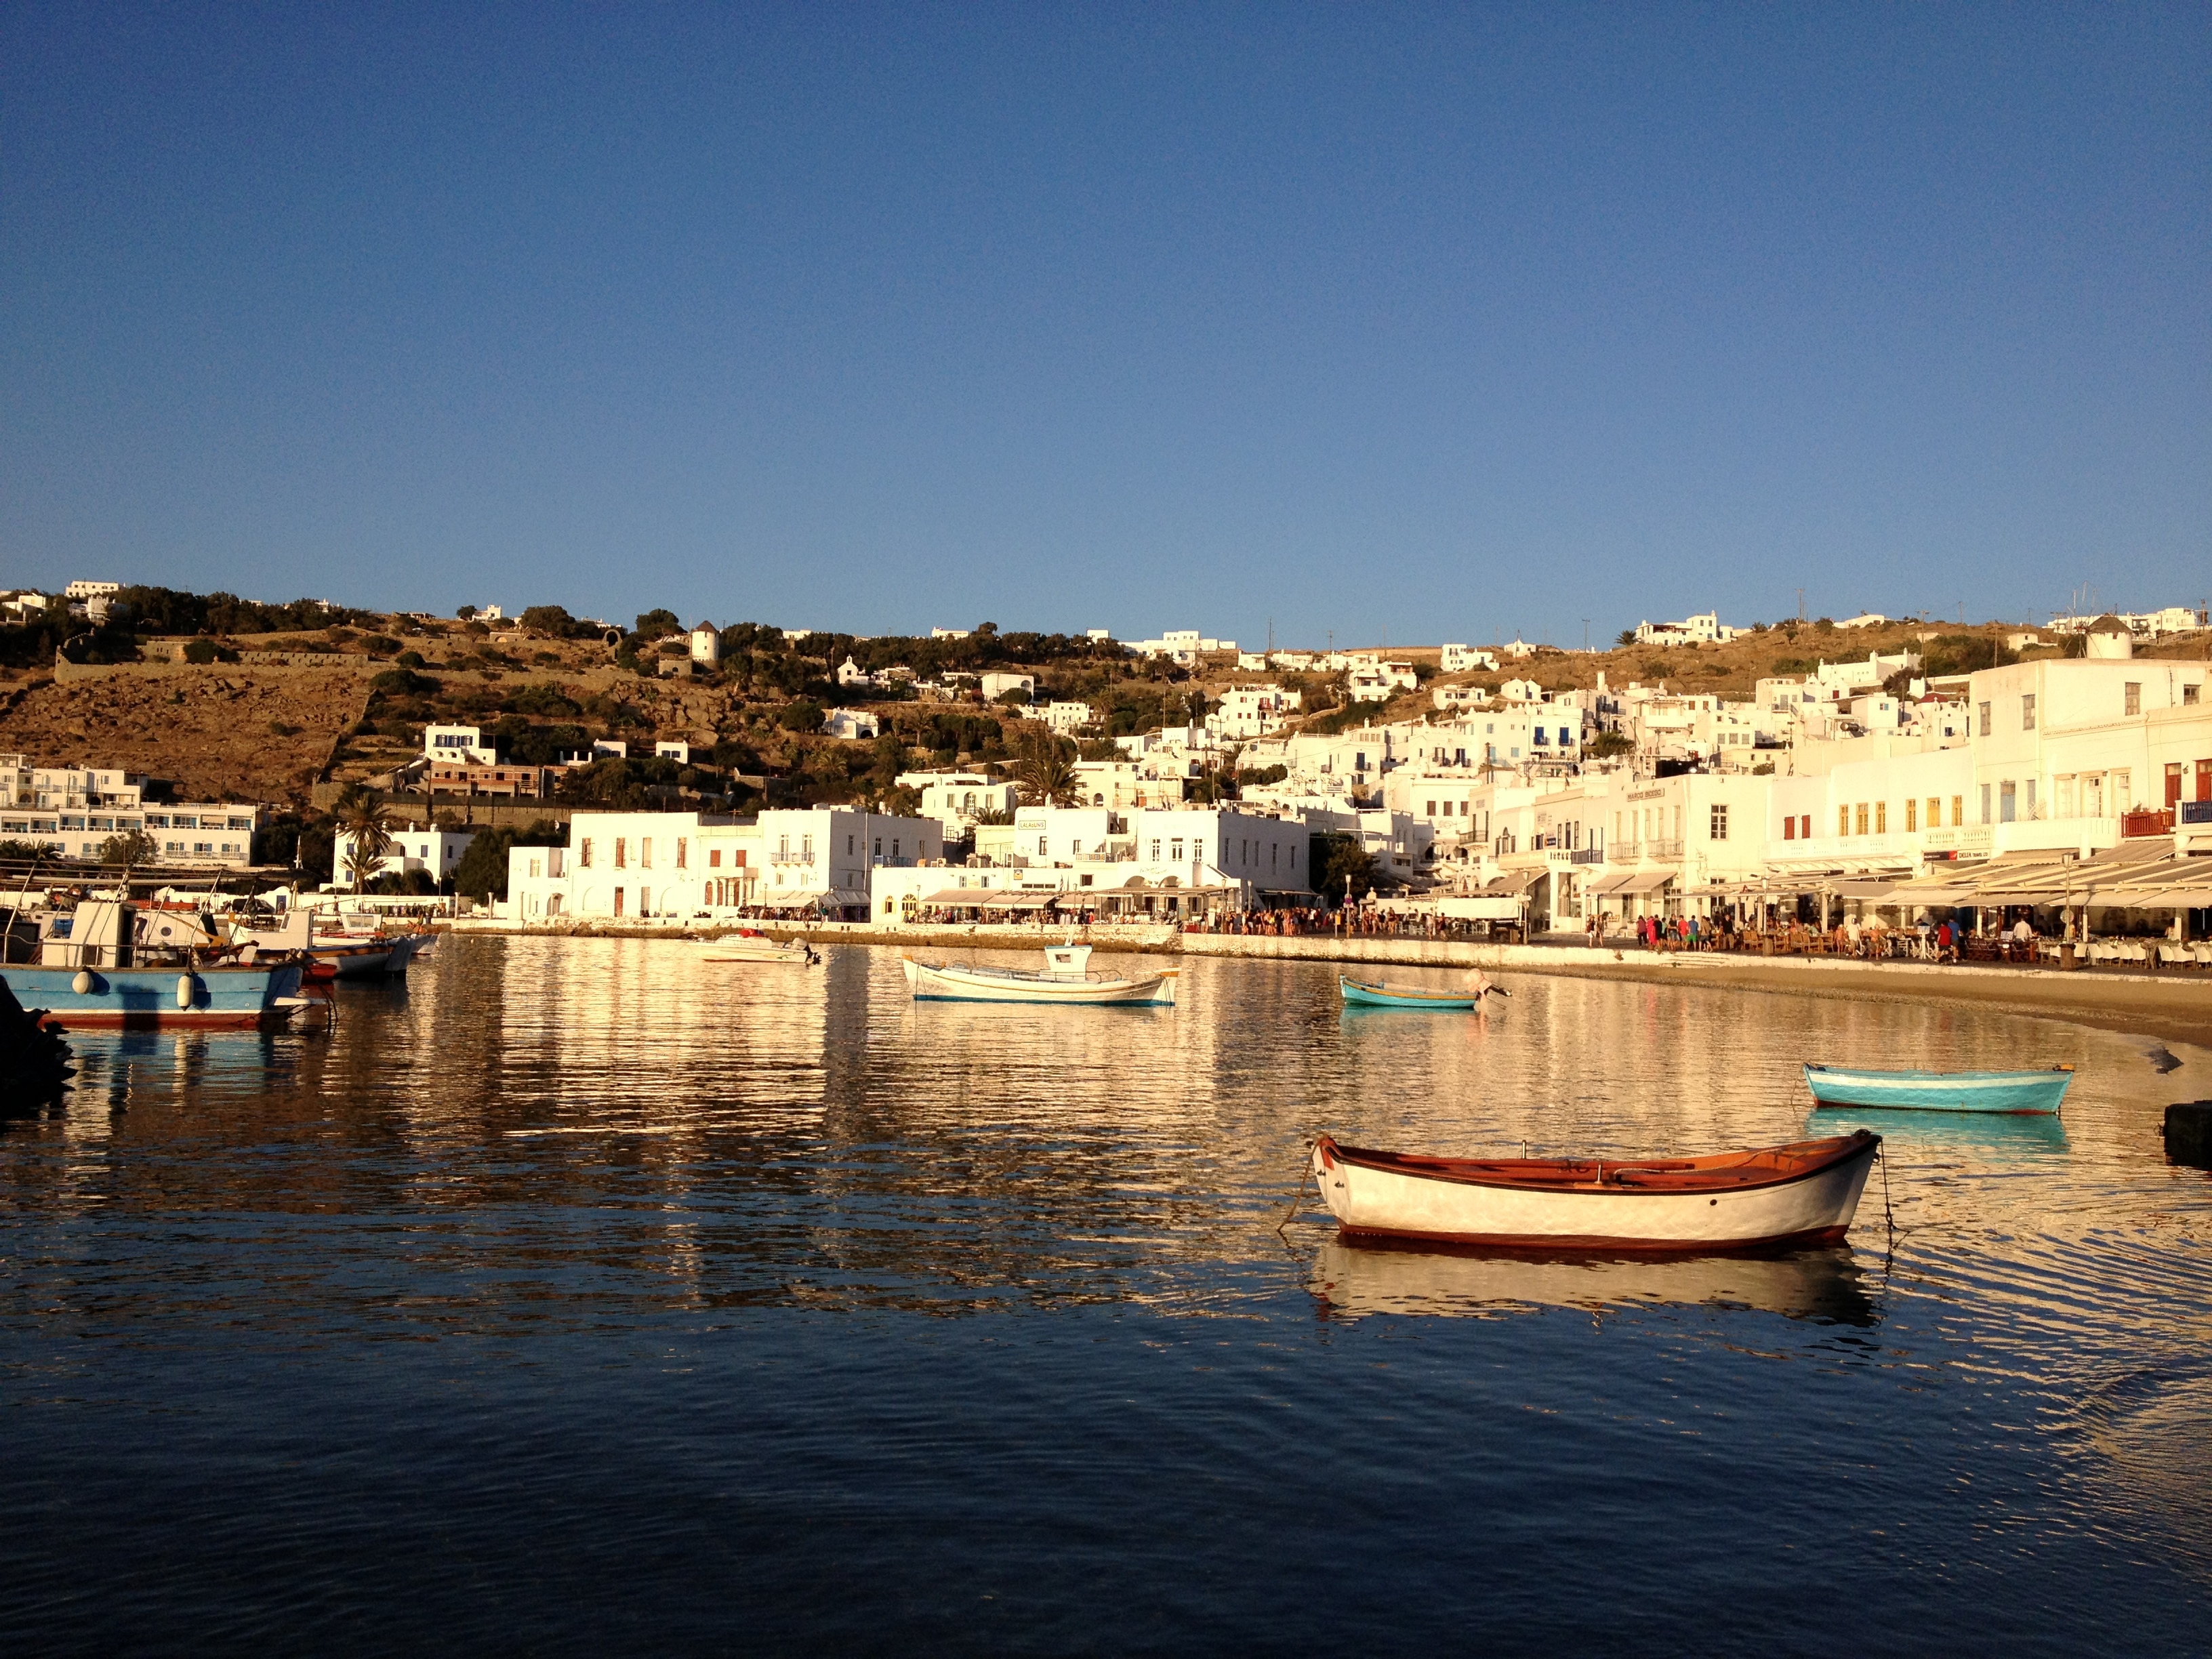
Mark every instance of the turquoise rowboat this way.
pixel 2038 1091
pixel 1357 993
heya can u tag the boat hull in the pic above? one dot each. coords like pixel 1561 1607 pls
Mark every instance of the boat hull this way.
pixel 2026 1093
pixel 1815 1208
pixel 146 998
pixel 1358 994
pixel 766 951
pixel 936 983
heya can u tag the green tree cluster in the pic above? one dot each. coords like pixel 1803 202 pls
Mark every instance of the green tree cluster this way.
pixel 481 872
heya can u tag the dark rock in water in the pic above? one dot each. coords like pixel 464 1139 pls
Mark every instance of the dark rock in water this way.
pixel 2162 1059
pixel 34 1061
pixel 2189 1133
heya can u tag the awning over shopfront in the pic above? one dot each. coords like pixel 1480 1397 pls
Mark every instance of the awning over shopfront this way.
pixel 1869 891
pixel 796 901
pixel 1511 881
pixel 1038 899
pixel 2146 876
pixel 1634 881
pixel 1502 907
pixel 953 899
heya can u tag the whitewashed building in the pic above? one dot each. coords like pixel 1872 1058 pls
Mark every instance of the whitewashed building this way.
pixel 954 799
pixel 1465 659
pixel 433 853
pixel 72 811
pixel 646 866
pixel 1704 629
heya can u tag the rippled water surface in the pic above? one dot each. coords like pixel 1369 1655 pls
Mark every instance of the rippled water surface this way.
pixel 580 1295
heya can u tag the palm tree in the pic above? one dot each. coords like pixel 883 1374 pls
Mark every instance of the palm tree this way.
pixel 1044 772
pixel 360 819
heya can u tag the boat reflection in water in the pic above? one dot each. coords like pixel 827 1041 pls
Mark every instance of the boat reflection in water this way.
pixel 1911 1132
pixel 1354 1281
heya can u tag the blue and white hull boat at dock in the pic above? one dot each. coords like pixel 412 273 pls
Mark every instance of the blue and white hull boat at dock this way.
pixel 238 997
pixel 2037 1091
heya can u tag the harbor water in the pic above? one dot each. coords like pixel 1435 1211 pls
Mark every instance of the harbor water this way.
pixel 576 1295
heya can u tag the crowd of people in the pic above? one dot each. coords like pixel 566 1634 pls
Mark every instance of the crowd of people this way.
pixel 1938 940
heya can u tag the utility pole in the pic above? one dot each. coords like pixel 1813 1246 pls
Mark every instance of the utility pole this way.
pixel 1801 605
pixel 1585 636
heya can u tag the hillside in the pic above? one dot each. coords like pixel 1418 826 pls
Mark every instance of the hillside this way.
pixel 224 732
pixel 268 732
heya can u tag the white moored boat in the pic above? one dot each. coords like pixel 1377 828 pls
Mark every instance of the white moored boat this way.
pixel 1065 978
pixel 1802 1194
pixel 747 945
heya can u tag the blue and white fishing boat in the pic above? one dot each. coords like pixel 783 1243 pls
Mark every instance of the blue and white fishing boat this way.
pixel 239 996
pixel 1364 994
pixel 2038 1091
pixel 105 965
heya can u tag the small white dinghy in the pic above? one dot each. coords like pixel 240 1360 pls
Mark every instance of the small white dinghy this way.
pixel 1066 978
pixel 1805 1192
pixel 748 945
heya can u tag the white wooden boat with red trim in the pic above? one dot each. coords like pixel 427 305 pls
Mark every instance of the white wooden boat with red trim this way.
pixel 1805 1192
pixel 1066 979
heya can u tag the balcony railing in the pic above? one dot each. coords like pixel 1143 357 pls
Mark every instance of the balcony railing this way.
pixel 2194 811
pixel 1587 855
pixel 2146 823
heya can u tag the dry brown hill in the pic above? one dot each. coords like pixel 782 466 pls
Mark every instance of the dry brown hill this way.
pixel 216 733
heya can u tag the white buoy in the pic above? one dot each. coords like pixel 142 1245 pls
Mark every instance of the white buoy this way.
pixel 184 990
pixel 82 983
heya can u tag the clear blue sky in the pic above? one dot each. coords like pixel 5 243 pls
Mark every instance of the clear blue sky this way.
pixel 1430 322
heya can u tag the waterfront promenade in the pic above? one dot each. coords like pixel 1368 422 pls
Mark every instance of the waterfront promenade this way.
pixel 2174 1005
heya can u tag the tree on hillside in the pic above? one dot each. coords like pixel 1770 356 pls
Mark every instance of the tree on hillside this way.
pixel 1044 770
pixel 1346 867
pixel 481 872
pixel 130 850
pixel 1606 744
pixel 361 818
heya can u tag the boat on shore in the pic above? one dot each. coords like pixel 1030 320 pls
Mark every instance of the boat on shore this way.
pixel 1805 1192
pixel 748 945
pixel 1364 994
pixel 2039 1091
pixel 1066 979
